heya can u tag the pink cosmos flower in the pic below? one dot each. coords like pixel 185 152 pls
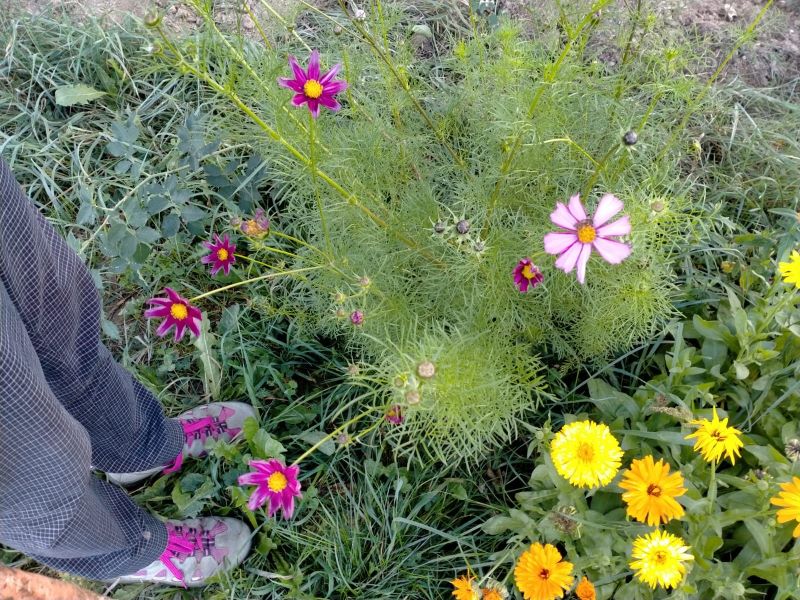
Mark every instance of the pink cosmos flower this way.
pixel 274 482
pixel 394 415
pixel 357 317
pixel 527 274
pixel 310 88
pixel 220 256
pixel 176 312
pixel 584 233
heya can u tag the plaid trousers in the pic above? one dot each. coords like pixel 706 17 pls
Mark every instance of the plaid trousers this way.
pixel 65 404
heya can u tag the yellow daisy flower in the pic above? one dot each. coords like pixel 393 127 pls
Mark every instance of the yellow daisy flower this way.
pixel 540 573
pixel 659 559
pixel 586 454
pixel 651 491
pixel 464 590
pixel 715 438
pixel 585 590
pixel 789 498
pixel 791 270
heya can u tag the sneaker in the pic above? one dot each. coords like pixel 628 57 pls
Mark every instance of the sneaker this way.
pixel 197 549
pixel 201 426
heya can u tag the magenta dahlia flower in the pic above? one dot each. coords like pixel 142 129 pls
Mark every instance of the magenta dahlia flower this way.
pixel 176 312
pixel 274 482
pixel 310 88
pixel 220 255
pixel 584 233
pixel 394 415
pixel 527 275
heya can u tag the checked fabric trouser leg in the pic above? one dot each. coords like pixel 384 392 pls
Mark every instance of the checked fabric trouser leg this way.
pixel 65 404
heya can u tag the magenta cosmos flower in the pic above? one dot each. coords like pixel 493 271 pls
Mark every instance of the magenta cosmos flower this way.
pixel 176 312
pixel 584 233
pixel 527 274
pixel 220 255
pixel 274 482
pixel 310 88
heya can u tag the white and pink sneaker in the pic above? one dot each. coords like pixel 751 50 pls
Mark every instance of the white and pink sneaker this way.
pixel 201 426
pixel 197 549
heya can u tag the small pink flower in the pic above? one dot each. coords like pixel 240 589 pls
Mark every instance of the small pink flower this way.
pixel 584 233
pixel 274 482
pixel 527 274
pixel 256 227
pixel 310 88
pixel 394 415
pixel 357 317
pixel 176 312
pixel 220 256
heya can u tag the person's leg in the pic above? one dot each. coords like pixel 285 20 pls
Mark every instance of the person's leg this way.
pixel 51 507
pixel 59 306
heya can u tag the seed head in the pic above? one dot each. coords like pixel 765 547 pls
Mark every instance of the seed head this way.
pixel 793 449
pixel 439 227
pixel 563 521
pixel 630 138
pixel 726 266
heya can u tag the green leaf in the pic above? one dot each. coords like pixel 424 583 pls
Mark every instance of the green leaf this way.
pixel 327 447
pixel 68 95
pixel 266 446
pixel 207 355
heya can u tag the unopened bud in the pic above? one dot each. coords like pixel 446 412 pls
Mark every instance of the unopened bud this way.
pixel 152 18
pixel 439 227
pixel 462 226
pixel 630 138
pixel 412 397
pixel 426 369
pixel 726 266
pixel 338 30
pixel 657 206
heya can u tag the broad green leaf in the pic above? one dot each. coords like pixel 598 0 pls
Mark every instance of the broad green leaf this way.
pixel 207 355
pixel 327 447
pixel 68 95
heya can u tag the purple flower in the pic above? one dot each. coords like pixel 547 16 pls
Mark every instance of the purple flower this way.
pixel 527 274
pixel 220 256
pixel 256 227
pixel 176 312
pixel 584 233
pixel 357 317
pixel 310 88
pixel 274 482
pixel 394 415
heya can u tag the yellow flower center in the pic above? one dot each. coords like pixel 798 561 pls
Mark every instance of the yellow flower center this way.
pixel 585 452
pixel 312 88
pixel 586 233
pixel 222 254
pixel 179 311
pixel 277 482
pixel 527 272
pixel 653 490
pixel 660 557
pixel 544 574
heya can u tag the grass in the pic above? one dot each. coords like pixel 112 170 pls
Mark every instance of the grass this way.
pixel 369 527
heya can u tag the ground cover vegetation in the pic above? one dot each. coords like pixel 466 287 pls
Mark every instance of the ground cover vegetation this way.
pixel 516 322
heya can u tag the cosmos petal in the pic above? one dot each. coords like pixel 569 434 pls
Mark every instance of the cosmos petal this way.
pixel 330 74
pixel 586 251
pixel 313 65
pixel 299 99
pixel 329 102
pixel 291 84
pixel 608 206
pixel 299 73
pixel 619 227
pixel 576 208
pixel 612 251
pixel 557 242
pixel 562 217
pixel 567 261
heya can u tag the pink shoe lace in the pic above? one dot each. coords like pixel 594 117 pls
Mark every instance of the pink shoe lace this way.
pixel 202 429
pixel 184 542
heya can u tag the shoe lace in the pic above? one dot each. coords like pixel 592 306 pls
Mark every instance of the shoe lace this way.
pixel 178 544
pixel 184 542
pixel 198 429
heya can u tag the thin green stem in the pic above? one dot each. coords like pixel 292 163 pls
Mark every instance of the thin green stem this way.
pixel 253 280
pixel 283 22
pixel 550 74
pixel 253 260
pixel 332 434
pixel 575 145
pixel 379 52
pixel 312 130
pixel 681 127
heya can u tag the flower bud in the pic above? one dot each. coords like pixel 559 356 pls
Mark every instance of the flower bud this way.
pixel 726 266
pixel 364 281
pixel 657 206
pixel 439 227
pixel 412 397
pixel 462 226
pixel 338 30
pixel 152 18
pixel 357 317
pixel 793 449
pixel 630 138
pixel 426 369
